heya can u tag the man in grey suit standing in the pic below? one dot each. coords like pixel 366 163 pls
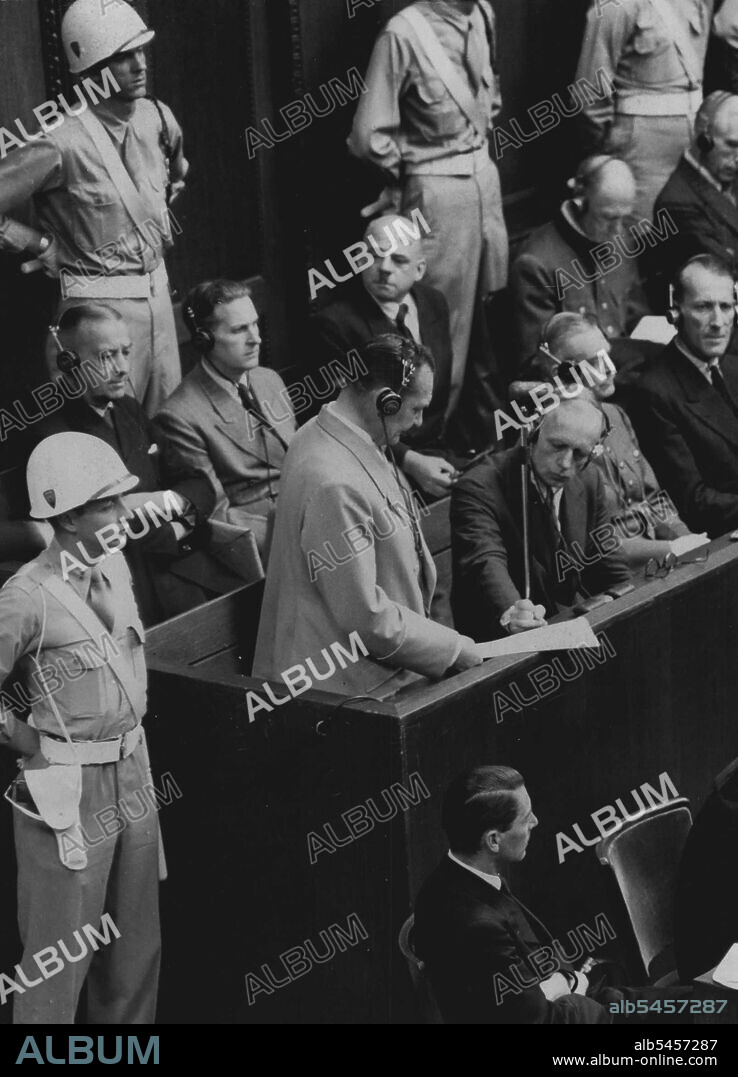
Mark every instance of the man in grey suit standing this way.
pixel 230 417
pixel 349 555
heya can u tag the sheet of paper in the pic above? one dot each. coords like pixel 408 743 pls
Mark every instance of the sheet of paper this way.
pixel 727 971
pixel 656 329
pixel 559 637
pixel 686 543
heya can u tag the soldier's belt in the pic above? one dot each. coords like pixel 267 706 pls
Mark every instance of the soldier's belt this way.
pixel 460 164
pixel 684 103
pixel 127 286
pixel 89 752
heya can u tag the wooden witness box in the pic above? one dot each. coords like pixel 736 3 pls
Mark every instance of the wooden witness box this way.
pixel 242 890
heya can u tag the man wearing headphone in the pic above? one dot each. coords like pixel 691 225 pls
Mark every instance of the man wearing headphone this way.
pixel 566 517
pixel 700 196
pixel 230 417
pixel 348 554
pixel 94 358
pixel 686 402
pixel 560 266
pixel 646 520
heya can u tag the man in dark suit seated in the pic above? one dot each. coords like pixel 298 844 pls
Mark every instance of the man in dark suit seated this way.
pixel 685 405
pixel 706 911
pixel 489 959
pixel 95 361
pixel 573 549
pixel 700 194
pixel 389 297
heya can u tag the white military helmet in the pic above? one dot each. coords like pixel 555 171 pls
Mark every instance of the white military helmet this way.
pixel 95 30
pixel 67 470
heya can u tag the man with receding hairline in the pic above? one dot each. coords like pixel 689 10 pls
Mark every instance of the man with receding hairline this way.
pixel 546 277
pixel 390 297
pixel 686 403
pixel 700 196
pixel 568 516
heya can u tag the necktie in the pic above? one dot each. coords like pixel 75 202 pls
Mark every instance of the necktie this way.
pixel 100 598
pixel 718 383
pixel 474 57
pixel 249 401
pixel 401 322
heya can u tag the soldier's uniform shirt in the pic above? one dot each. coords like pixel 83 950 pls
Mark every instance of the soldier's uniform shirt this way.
pixel 648 121
pixel 122 873
pixel 77 202
pixel 555 271
pixel 629 481
pixel 409 125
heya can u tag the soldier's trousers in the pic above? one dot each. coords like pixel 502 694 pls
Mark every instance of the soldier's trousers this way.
pixel 467 249
pixel 652 146
pixel 155 370
pixel 121 879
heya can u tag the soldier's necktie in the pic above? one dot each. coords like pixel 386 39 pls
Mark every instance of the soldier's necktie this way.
pixel 401 322
pixel 100 597
pixel 718 383
pixel 474 57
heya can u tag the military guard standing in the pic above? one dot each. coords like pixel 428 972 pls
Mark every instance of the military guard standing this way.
pixel 425 120
pixel 101 180
pixel 75 629
pixel 653 54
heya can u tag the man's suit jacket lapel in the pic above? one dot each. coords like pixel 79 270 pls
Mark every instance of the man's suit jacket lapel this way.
pixel 573 513
pixel 542 534
pixel 232 419
pixel 702 400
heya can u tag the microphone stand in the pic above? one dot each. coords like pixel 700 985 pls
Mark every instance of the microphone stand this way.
pixel 524 472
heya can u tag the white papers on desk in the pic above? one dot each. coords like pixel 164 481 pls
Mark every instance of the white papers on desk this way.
pixel 686 543
pixel 656 329
pixel 558 637
pixel 727 971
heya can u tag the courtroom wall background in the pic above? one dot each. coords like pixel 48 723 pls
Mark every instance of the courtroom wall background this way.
pixel 228 64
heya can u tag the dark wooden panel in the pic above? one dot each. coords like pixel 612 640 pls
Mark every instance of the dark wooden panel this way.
pixel 664 703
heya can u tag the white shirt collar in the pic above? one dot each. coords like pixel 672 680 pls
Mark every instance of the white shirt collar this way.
pixel 102 412
pixel 412 320
pixel 493 880
pixel 703 365
pixel 225 383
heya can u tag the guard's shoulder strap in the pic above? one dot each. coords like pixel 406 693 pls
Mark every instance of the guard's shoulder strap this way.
pixel 95 628
pixel 680 40
pixel 440 62
pixel 117 171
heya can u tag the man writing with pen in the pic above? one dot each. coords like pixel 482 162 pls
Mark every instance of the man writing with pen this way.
pixel 569 552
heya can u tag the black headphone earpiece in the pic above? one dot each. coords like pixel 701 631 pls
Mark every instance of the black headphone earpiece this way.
pixel 67 360
pixel 199 335
pixel 674 314
pixel 705 142
pixel 389 400
pixel 389 403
